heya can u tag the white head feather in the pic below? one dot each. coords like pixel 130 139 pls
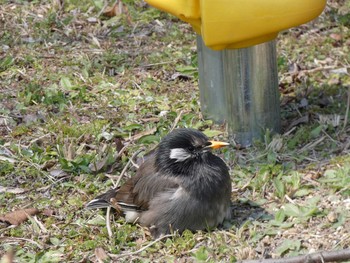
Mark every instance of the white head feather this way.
pixel 179 154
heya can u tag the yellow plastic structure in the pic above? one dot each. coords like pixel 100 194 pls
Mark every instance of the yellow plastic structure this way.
pixel 226 24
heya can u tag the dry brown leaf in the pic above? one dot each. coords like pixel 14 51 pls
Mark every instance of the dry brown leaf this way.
pixel 19 216
pixel 48 165
pixel 115 10
pixel 119 144
pixel 48 212
pixel 101 255
pixel 118 9
pixel 8 257
pixel 336 37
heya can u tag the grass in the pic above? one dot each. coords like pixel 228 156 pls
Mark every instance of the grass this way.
pixel 77 86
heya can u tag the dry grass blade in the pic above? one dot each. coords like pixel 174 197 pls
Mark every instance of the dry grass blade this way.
pixel 108 212
pixel 141 249
pixel 108 222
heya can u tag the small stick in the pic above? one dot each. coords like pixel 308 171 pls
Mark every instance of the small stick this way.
pixel 317 257
pixel 177 120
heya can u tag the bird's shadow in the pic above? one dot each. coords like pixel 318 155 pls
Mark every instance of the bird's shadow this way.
pixel 242 212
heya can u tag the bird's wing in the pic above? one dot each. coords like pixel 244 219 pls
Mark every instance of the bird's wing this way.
pixel 138 191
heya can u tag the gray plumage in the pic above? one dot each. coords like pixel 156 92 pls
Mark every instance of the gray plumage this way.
pixel 181 186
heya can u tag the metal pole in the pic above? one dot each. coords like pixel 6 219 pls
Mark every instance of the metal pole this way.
pixel 245 84
pixel 211 82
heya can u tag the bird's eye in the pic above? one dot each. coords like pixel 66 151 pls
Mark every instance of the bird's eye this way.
pixel 191 148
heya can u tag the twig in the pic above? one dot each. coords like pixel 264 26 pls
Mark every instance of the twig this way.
pixel 318 257
pixel 127 166
pixel 113 256
pixel 176 120
pixel 289 199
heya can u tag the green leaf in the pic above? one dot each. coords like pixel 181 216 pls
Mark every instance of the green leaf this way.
pixel 186 69
pixel 97 220
pixel 51 257
pixel 65 83
pixel 279 186
pixel 132 127
pixel 316 132
pixel 6 62
pixel 98 3
pixel 272 157
pixel 312 202
pixel 55 241
pixel 302 192
pixel 330 173
pixel 201 254
pixel 288 245
pixel 292 210
pixel 148 139
pixel 280 216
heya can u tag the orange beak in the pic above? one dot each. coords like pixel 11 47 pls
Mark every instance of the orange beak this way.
pixel 217 144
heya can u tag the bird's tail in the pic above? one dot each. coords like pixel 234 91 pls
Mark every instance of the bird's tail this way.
pixel 103 200
pixel 97 203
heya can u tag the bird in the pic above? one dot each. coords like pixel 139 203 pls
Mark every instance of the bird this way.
pixel 181 185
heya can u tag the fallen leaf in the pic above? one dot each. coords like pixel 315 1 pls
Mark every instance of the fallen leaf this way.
pixel 58 173
pixel 101 255
pixel 119 144
pixel 115 10
pixel 336 37
pixel 19 216
pixel 141 134
pixel 12 190
pixel 48 212
pixel 48 165
pixel 118 9
pixel 8 257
